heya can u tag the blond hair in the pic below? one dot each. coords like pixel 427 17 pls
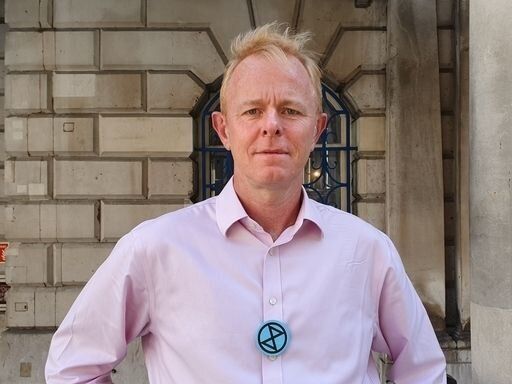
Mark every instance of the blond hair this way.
pixel 274 41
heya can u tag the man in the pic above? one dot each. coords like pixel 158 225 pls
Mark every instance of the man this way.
pixel 259 284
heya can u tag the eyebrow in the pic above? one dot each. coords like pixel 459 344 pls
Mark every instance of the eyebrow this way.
pixel 256 102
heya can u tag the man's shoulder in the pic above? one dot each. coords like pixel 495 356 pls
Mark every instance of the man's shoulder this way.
pixel 188 217
pixel 336 219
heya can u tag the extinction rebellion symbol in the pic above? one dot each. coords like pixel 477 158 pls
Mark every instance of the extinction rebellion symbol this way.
pixel 273 338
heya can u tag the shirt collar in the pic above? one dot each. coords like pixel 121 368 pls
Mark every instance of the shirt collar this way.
pixel 229 209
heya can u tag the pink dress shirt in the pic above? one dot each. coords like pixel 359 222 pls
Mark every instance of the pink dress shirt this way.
pixel 197 283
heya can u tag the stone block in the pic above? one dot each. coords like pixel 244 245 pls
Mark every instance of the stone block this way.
pixel 146 136
pixel 372 212
pixel 2 148
pixel 20 307
pixel 40 136
pixel 324 17
pixel 444 10
pixel 449 134
pixel 170 178
pixel 2 75
pixel 97 13
pixel 446 44
pixel 202 14
pixel 172 92
pixel 449 177
pixel 27 93
pixel 266 11
pixel 28 13
pixel 64 298
pixel 119 219
pixel 77 222
pixel 27 264
pixel 51 222
pixel 71 50
pixel 89 179
pixel 82 92
pixel 74 264
pixel 371 177
pixel 45 307
pixel 182 50
pixel 368 92
pixel 16 136
pixel 447 89
pixel 24 51
pixel 26 179
pixel 73 135
pixel 371 133
pixel 367 48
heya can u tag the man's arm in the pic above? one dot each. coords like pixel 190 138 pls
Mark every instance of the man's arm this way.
pixel 404 330
pixel 111 311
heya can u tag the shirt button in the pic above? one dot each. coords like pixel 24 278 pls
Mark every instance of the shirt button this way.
pixel 272 301
pixel 272 358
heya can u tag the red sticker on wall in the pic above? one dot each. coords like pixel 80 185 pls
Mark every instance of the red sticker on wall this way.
pixel 3 248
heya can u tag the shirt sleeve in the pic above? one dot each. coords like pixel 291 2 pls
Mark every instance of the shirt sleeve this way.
pixel 111 311
pixel 404 330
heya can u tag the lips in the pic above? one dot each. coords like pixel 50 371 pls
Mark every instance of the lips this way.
pixel 272 152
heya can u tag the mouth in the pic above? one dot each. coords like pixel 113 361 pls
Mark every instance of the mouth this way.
pixel 272 152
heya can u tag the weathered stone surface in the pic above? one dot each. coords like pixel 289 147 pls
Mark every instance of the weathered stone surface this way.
pixel 356 48
pixel 26 179
pixel 267 11
pixel 182 50
pixel 27 264
pixel 26 93
pixel 170 92
pixel 414 153
pixel 45 307
pixel 491 343
pixel 74 264
pixel 170 178
pixel 90 179
pixel 24 51
pixel 143 136
pixel 97 13
pixel 368 92
pixel 371 133
pixel 71 50
pixel 73 135
pixel 64 298
pixel 20 307
pixel 446 45
pixel 371 177
pixel 324 17
pixel 16 135
pixel 119 219
pixel 28 13
pixel 51 222
pixel 447 89
pixel 40 136
pixel 202 13
pixel 83 92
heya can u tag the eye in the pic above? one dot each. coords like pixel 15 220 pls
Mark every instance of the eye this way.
pixel 291 111
pixel 251 112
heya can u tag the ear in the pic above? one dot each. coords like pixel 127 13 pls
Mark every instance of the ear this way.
pixel 321 124
pixel 220 126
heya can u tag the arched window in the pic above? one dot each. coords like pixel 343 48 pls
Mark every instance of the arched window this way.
pixel 327 173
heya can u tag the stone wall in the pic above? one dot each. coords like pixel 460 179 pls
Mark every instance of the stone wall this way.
pixel 101 101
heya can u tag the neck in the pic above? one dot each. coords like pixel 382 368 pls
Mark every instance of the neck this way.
pixel 275 209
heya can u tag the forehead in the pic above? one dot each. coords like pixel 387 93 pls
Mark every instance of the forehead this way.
pixel 258 76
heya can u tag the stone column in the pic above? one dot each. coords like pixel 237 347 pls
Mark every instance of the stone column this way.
pixel 491 190
pixel 414 175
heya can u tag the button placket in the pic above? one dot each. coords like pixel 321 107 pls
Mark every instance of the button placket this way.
pixel 272 310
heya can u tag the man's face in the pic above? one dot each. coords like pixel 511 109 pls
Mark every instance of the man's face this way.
pixel 271 121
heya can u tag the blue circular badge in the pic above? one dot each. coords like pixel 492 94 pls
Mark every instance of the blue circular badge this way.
pixel 273 337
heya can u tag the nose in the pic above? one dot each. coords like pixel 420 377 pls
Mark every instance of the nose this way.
pixel 271 124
